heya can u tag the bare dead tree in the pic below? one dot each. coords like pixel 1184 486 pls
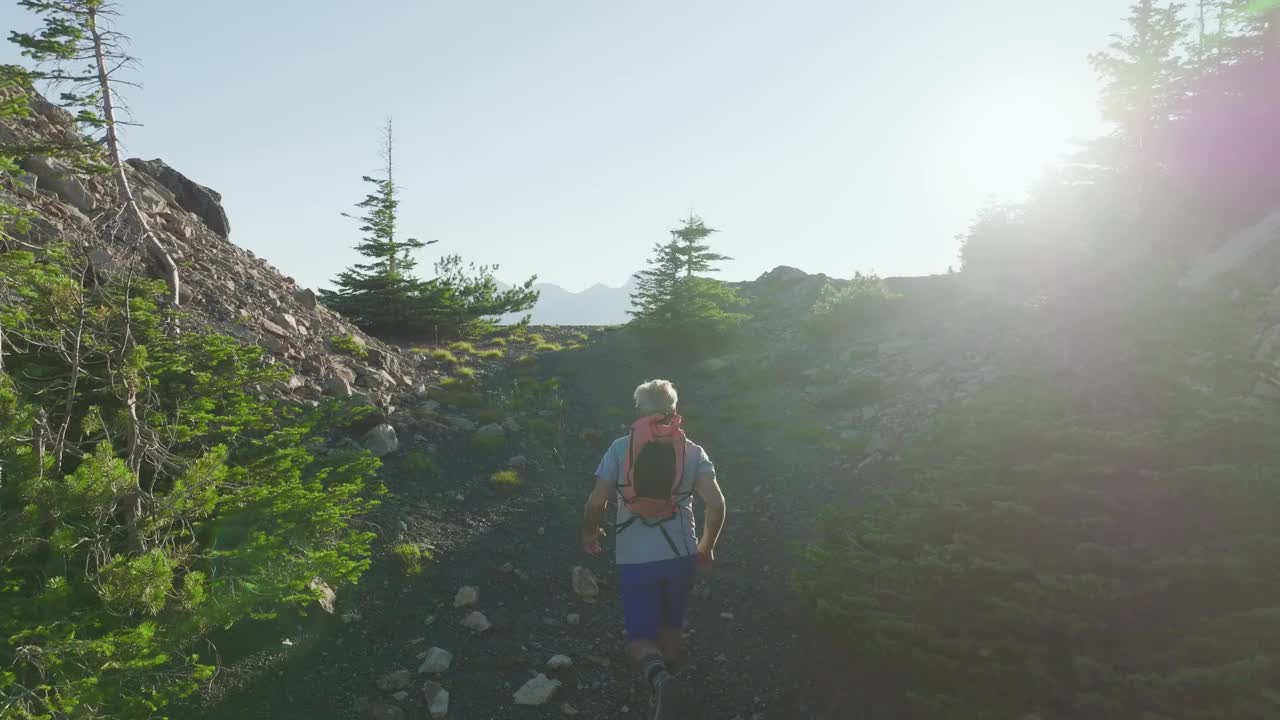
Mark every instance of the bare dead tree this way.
pixel 77 32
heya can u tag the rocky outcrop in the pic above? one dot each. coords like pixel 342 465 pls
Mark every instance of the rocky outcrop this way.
pixel 225 287
pixel 191 196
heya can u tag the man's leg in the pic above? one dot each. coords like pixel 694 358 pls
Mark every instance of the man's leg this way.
pixel 674 614
pixel 671 645
pixel 641 589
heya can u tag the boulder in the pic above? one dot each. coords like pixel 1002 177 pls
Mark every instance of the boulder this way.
pixel 57 178
pixel 336 386
pixel 273 328
pixel 381 440
pixel 196 199
pixel 467 596
pixel 437 699
pixel 306 297
pixel 559 662
pixel 491 433
pixel 436 660
pixel 584 584
pixel 538 691
pixel 476 622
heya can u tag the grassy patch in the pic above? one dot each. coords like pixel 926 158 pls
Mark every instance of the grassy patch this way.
pixel 498 342
pixel 442 355
pixel 545 346
pixel 463 346
pixel 410 558
pixel 506 478
pixel 466 372
pixel 349 345
pixel 492 354
pixel 421 464
pixel 488 442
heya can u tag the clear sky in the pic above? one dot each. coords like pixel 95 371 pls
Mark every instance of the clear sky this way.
pixel 564 137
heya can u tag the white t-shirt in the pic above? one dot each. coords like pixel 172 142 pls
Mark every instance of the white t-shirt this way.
pixel 640 543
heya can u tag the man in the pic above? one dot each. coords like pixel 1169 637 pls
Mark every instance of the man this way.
pixel 658 560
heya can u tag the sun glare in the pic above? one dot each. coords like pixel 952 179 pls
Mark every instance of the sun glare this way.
pixel 1000 144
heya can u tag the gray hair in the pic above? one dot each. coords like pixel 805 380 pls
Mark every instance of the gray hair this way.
pixel 656 397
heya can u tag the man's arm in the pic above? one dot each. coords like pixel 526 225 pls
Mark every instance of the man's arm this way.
pixel 593 516
pixel 709 490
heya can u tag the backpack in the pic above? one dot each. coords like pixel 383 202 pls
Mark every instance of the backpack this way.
pixel 653 471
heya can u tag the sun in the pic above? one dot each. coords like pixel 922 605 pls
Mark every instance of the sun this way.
pixel 999 144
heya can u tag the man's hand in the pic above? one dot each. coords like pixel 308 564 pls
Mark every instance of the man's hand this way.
pixel 591 541
pixel 706 558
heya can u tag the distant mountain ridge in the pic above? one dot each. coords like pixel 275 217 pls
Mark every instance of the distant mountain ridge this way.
pixel 596 305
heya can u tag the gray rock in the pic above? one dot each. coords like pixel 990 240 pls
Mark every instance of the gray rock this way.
pixel 381 440
pixel 491 433
pixel 196 199
pixel 306 297
pixel 336 386
pixel 559 662
pixel 584 584
pixel 437 699
pixel 476 622
pixel 538 691
pixel 466 596
pixel 436 660
pixel 574 619
pixel 398 680
pixel 273 328
pixel 286 320
pixel 518 462
pixel 59 179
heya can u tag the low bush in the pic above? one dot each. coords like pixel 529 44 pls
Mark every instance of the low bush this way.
pixel 1052 551
pixel 164 498
pixel 506 478
pixel 410 556
pixel 349 345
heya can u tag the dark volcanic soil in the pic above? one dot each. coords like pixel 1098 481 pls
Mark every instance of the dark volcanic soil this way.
pixel 753 652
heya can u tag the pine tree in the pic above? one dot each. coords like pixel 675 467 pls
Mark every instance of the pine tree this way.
pixel 694 253
pixel 675 305
pixel 380 295
pixel 653 297
pixel 1145 77
pixel 78 50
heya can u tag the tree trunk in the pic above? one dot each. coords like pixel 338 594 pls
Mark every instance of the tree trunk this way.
pixel 154 248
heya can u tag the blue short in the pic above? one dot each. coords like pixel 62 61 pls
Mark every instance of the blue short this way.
pixel 656 594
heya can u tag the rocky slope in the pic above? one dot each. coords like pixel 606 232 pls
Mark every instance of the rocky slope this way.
pixel 224 286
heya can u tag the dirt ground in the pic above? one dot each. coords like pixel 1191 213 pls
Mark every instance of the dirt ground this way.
pixel 754 653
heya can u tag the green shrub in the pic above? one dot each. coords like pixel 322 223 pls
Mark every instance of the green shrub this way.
pixel 122 555
pixel 506 478
pixel 493 354
pixel 866 303
pixel 488 442
pixel 422 465
pixel 1047 551
pixel 411 557
pixel 500 342
pixel 547 347
pixel 541 428
pixel 443 355
pixel 461 346
pixel 465 372
pixel 349 345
